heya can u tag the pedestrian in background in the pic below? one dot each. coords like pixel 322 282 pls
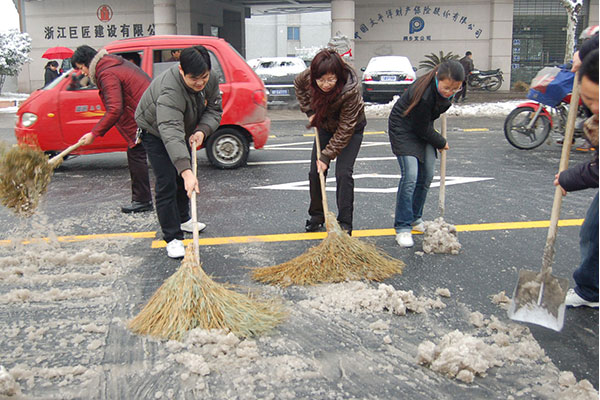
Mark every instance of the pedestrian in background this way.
pixel 50 72
pixel 121 85
pixel 181 107
pixel 584 176
pixel 328 92
pixel 414 142
pixel 467 64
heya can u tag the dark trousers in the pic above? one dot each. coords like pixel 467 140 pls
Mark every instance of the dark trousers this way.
pixel 463 91
pixel 586 276
pixel 138 170
pixel 172 205
pixel 344 168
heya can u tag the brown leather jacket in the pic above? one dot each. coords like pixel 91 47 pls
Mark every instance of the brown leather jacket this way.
pixel 344 115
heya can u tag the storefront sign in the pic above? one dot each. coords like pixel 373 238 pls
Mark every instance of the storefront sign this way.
pixel 122 31
pixel 416 23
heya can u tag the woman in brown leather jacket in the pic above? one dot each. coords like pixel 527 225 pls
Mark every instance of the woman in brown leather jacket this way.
pixel 329 94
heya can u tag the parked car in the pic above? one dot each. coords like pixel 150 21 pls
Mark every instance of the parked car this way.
pixel 59 114
pixel 386 76
pixel 278 74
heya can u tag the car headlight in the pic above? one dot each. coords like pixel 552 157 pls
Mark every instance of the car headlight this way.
pixel 28 119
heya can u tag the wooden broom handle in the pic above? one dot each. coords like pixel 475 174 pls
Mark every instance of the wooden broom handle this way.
pixel 321 175
pixel 548 256
pixel 65 152
pixel 442 200
pixel 195 234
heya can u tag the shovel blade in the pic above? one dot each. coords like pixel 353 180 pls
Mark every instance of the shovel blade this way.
pixel 539 300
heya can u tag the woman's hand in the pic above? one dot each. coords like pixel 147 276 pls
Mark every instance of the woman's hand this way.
pixel 564 192
pixel 86 139
pixel 190 182
pixel 198 138
pixel 321 166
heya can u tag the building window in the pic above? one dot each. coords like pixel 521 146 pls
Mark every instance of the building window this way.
pixel 293 33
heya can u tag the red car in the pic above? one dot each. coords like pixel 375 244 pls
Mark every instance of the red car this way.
pixel 59 114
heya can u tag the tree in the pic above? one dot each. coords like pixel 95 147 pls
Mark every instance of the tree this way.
pixel 433 60
pixel 14 52
pixel 573 7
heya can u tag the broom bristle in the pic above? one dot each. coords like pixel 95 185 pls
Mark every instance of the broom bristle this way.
pixel 24 177
pixel 338 258
pixel 190 299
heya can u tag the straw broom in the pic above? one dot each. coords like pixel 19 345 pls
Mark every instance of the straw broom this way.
pixel 190 299
pixel 25 172
pixel 338 258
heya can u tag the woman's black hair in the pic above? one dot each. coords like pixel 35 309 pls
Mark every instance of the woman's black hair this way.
pixel 52 63
pixel 326 61
pixel 83 55
pixel 450 69
pixel 589 67
pixel 195 61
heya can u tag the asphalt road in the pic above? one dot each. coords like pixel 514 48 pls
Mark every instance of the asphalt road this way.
pixel 489 182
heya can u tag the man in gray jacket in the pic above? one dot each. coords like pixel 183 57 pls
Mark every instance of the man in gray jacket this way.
pixel 181 106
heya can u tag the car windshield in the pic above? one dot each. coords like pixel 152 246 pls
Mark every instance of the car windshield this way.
pixel 389 64
pixel 277 67
pixel 57 80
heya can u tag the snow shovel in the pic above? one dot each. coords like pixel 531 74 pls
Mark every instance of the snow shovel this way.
pixel 539 297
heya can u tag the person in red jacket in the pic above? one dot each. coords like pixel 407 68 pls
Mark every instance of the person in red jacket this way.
pixel 121 84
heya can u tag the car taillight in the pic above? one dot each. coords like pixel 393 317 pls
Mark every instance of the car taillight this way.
pixel 260 97
pixel 367 77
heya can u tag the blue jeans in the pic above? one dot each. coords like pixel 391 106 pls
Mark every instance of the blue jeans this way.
pixel 586 276
pixel 412 189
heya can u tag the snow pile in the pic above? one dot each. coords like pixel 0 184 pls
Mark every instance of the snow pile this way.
pixel 8 385
pixel 501 300
pixel 573 390
pixel 358 297
pixel 440 237
pixel 501 108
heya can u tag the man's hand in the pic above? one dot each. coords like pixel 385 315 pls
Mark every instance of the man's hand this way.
pixel 564 192
pixel 321 166
pixel 88 138
pixel 190 182
pixel 198 138
pixel 446 147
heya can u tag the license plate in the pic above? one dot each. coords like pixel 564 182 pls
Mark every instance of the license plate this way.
pixel 279 92
pixel 388 78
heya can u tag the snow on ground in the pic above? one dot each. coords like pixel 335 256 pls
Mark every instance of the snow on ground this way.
pixel 65 307
pixel 499 108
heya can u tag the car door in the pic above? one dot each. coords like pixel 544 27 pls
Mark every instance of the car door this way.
pixel 80 110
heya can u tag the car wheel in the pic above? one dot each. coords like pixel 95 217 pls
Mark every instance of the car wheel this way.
pixel 366 98
pixel 227 148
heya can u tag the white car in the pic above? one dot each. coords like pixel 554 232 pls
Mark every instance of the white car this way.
pixel 278 74
pixel 386 76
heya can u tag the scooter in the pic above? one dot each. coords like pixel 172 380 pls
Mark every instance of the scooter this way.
pixel 529 125
pixel 489 80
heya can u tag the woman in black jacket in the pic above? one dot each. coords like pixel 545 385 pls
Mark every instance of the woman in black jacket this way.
pixel 414 142
pixel 51 72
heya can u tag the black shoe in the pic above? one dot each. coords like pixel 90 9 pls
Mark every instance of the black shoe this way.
pixel 137 206
pixel 347 228
pixel 312 225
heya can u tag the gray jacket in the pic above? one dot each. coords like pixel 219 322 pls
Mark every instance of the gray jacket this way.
pixel 173 112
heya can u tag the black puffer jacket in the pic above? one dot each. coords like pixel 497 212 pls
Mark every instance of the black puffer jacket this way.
pixel 409 135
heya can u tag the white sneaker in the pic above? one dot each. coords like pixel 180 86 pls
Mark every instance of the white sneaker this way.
pixel 188 226
pixel 404 239
pixel 420 227
pixel 175 249
pixel 575 300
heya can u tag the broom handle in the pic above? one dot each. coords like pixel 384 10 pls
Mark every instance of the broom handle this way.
pixel 65 152
pixel 321 175
pixel 442 200
pixel 194 210
pixel 548 256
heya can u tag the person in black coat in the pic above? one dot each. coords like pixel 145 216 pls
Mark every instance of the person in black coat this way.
pixel 467 64
pixel 414 142
pixel 584 176
pixel 51 72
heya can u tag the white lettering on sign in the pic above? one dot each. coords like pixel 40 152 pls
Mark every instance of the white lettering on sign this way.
pixel 371 179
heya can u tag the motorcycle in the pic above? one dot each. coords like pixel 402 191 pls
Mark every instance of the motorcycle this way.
pixel 529 125
pixel 489 80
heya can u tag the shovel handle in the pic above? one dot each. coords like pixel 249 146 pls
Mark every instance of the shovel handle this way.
pixel 195 234
pixel 442 200
pixel 66 151
pixel 548 256
pixel 321 174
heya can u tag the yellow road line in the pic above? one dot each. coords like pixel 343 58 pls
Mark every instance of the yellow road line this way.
pixel 365 133
pixel 286 237
pixel 476 130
